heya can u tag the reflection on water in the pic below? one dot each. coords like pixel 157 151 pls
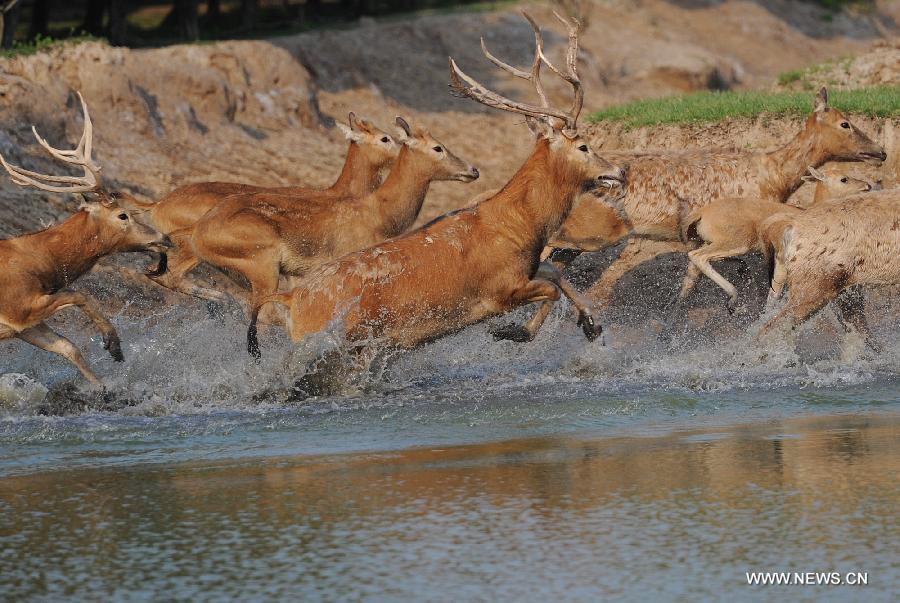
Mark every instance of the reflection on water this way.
pixel 678 516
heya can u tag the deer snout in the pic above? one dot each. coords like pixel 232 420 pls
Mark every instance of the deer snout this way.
pixel 161 244
pixel 613 178
pixel 470 175
pixel 877 155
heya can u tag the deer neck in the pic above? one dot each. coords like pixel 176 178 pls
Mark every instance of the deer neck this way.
pixel 535 202
pixel 399 199
pixel 790 162
pixel 74 246
pixel 359 176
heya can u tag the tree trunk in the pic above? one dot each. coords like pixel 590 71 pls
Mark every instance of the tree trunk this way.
pixel 249 13
pixel 40 18
pixel 93 19
pixel 213 10
pixel 9 21
pixel 118 26
pixel 187 19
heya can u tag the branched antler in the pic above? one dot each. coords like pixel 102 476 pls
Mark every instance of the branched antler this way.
pixel 80 156
pixel 465 85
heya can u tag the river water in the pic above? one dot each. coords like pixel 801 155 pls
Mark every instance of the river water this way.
pixel 468 470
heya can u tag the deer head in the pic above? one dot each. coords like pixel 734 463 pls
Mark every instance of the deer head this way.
pixel 570 155
pixel 833 182
pixel 837 137
pixel 118 231
pixel 378 147
pixel 421 146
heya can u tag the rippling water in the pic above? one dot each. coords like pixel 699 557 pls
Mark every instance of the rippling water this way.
pixel 469 470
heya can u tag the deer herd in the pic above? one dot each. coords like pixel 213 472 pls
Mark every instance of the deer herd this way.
pixel 348 254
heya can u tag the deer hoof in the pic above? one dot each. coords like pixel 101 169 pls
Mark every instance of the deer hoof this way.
pixel 512 332
pixel 114 346
pixel 591 329
pixel 731 306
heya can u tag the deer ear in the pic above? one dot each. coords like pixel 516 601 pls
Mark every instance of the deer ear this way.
pixel 349 133
pixel 403 125
pixel 353 121
pixel 821 102
pixel 814 175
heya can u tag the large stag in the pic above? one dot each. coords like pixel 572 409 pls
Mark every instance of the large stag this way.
pixel 665 187
pixel 264 236
pixel 473 263
pixel 369 152
pixel 38 267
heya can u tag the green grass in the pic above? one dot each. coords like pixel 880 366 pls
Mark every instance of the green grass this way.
pixel 705 107
pixel 41 44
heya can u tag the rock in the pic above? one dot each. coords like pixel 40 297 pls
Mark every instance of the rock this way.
pixel 19 391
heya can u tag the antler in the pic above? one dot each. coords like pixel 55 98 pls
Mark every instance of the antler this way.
pixel 482 94
pixel 80 156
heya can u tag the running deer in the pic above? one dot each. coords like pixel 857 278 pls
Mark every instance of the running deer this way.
pixel 38 267
pixel 854 240
pixel 473 263
pixel 370 151
pixel 664 187
pixel 734 226
pixel 263 236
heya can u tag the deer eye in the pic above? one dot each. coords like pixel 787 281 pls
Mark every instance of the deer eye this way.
pixel 385 139
pixel 438 150
pixel 123 216
pixel 583 148
pixel 845 125
pixel 844 180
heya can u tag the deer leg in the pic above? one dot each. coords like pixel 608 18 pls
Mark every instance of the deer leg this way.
pixel 528 331
pixel 175 278
pixel 263 283
pixel 586 321
pixel 636 252
pixel 702 257
pixel 803 303
pixel 851 313
pixel 51 304
pixel 536 290
pixel 46 338
pixel 779 279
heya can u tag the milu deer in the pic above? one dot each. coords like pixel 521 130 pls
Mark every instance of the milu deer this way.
pixel 826 249
pixel 369 152
pixel 471 264
pixel 664 187
pixel 38 267
pixel 263 236
pixel 732 227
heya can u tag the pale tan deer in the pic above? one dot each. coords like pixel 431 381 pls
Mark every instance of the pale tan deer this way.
pixel 664 187
pixel 38 267
pixel 369 152
pixel 470 264
pixel 734 226
pixel 263 236
pixel 851 241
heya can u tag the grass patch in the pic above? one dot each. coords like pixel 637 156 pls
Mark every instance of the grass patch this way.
pixel 706 106
pixel 41 44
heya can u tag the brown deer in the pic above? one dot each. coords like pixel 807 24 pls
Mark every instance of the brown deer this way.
pixel 471 264
pixel 38 267
pixel 369 152
pixel 263 236
pixel 732 227
pixel 851 241
pixel 664 187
